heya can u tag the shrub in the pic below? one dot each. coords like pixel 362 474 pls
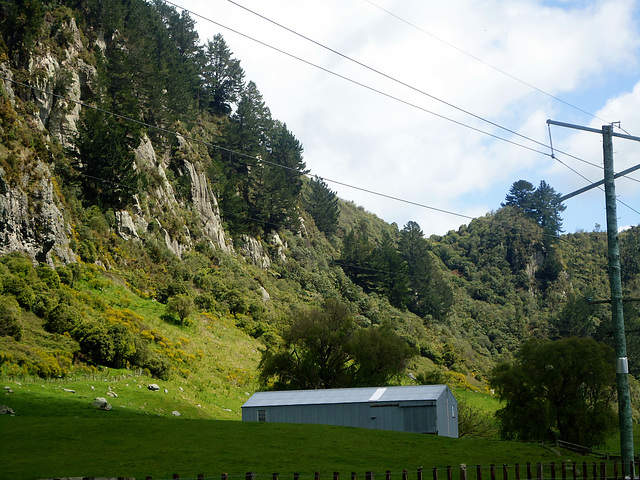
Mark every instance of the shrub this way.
pixel 10 318
pixel 48 275
pixel 62 318
pixel 19 288
pixel 96 344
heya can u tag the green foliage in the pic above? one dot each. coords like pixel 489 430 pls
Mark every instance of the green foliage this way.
pixel 223 77
pixel 541 204
pixel 106 162
pixel 10 317
pixel 20 24
pixel 322 204
pixel 324 348
pixel 63 318
pixel 180 305
pixel 561 389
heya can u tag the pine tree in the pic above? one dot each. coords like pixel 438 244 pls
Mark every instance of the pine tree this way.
pixel 322 205
pixel 432 295
pixel 223 77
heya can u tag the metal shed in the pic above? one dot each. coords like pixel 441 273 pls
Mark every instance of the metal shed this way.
pixel 419 409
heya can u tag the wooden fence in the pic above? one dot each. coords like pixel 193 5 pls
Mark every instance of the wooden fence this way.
pixel 553 471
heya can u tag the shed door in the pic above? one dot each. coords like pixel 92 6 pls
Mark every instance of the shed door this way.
pixel 420 419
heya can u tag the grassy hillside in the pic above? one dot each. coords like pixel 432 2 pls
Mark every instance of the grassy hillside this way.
pixel 55 433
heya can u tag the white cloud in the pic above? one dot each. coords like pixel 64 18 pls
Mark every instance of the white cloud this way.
pixel 362 138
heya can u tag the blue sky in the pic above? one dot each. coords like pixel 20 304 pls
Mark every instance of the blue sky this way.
pixel 464 53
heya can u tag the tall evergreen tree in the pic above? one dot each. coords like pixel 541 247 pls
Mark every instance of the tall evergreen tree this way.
pixel 105 160
pixel 322 204
pixel 283 178
pixel 223 78
pixel 431 294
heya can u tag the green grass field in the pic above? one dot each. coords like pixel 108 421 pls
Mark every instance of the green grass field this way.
pixel 59 434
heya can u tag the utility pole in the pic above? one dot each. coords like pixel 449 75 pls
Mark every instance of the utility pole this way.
pixel 615 283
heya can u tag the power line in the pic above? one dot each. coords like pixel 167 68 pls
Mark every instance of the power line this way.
pixel 387 76
pixel 394 79
pixel 380 92
pixel 404 101
pixel 244 155
pixel 503 72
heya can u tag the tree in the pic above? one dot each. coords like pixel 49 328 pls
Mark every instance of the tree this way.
pixel 557 389
pixel 180 305
pixel 105 160
pixel 520 195
pixel 541 204
pixel 432 294
pixel 324 348
pixel 546 209
pixel 223 77
pixel 10 317
pixel 322 204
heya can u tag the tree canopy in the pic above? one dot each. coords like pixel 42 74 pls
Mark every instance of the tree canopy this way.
pixel 541 204
pixel 557 389
pixel 325 348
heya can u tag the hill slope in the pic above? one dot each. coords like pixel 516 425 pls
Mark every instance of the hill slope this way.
pixel 166 223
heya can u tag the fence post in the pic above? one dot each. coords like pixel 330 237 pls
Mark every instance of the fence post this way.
pixel 479 472
pixel 369 475
pixel 177 477
pixel 251 476
pixel 148 477
pixel 336 475
pixel 603 471
pixel 463 471
pixel 201 476
pixel 405 474
pixel 316 476
pixel 553 470
pixel 615 470
pixel 353 476
pixel 296 476
pixel 539 468
pixel 529 475
pixel 387 475
pixel 449 472
pixel 517 471
pixel 274 476
pixel 563 471
pixel 492 471
pixel 505 472
pixel 224 476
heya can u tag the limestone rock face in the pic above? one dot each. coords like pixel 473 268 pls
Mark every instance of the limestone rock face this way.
pixel 206 205
pixel 255 252
pixel 32 222
pixel 67 75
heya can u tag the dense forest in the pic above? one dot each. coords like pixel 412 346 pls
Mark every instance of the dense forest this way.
pixel 135 154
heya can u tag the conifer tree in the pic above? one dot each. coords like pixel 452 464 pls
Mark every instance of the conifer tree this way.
pixel 322 204
pixel 222 76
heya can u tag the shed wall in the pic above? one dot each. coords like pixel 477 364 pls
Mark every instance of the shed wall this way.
pixel 392 416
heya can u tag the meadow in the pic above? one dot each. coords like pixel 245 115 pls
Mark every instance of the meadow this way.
pixel 56 433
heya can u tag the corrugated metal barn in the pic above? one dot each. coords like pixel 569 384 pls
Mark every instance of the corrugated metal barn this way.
pixel 420 409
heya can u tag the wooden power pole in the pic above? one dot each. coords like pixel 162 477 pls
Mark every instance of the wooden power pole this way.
pixel 615 282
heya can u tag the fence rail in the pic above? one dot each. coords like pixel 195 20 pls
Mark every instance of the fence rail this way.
pixel 563 471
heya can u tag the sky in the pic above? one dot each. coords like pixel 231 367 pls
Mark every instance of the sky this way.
pixel 439 107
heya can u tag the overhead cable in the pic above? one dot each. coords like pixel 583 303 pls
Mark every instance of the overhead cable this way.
pixel 499 70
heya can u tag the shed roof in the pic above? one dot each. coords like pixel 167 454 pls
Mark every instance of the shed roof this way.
pixel 346 395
